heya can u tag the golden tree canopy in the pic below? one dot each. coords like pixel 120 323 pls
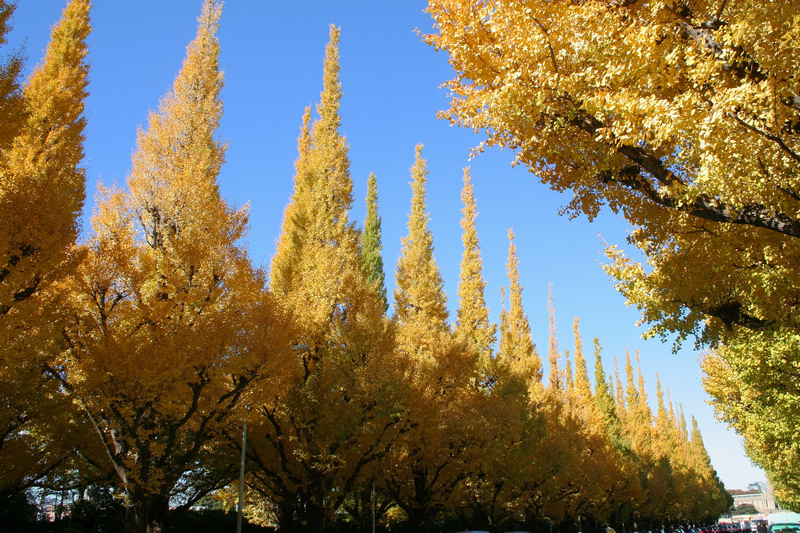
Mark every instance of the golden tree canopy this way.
pixel 684 116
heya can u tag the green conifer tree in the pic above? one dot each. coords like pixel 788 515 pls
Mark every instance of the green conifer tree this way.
pixel 371 244
pixel 602 391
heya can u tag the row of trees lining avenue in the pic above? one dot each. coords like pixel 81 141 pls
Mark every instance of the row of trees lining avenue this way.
pixel 684 117
pixel 132 358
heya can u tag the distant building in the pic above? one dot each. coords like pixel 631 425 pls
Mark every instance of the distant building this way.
pixel 763 500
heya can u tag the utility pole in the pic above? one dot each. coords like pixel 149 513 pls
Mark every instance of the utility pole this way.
pixel 241 479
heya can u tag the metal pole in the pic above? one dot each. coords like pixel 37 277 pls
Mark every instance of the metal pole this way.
pixel 241 479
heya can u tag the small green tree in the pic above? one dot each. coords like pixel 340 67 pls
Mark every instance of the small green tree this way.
pixel 371 245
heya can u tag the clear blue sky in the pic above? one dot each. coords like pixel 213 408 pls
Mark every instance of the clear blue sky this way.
pixel 272 54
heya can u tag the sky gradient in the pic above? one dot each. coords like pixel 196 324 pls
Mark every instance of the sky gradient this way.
pixel 272 54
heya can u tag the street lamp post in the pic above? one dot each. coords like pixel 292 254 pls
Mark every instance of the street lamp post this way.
pixel 297 348
pixel 241 478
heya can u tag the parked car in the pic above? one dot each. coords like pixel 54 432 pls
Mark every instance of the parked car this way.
pixel 784 528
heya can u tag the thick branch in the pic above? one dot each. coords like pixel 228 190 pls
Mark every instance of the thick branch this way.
pixel 731 314
pixel 633 177
pixel 735 59
pixel 113 456
pixel 26 250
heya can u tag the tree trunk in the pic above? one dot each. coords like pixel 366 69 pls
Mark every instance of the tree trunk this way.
pixel 301 517
pixel 313 518
pixel 286 518
pixel 420 521
pixel 147 514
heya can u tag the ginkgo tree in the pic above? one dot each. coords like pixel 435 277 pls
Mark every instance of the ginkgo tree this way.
pixel 682 116
pixel 473 313
pixel 41 197
pixel 515 469
pixel 430 462
pixel 313 444
pixel 170 324
pixel 159 340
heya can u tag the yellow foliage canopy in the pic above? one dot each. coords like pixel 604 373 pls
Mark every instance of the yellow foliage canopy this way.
pixel 41 196
pixel 683 116
pixel 170 323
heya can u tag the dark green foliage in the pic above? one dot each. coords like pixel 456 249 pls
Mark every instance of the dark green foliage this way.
pixel 745 508
pixel 371 245
pixel 98 512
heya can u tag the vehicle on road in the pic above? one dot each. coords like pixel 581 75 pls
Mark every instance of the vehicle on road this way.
pixel 784 522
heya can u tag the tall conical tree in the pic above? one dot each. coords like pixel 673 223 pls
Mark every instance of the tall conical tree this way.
pixel 662 490
pixel 581 378
pixel 43 185
pixel 473 325
pixel 604 398
pixel 555 378
pixel 171 324
pixel 310 446
pixel 639 419
pixel 41 197
pixel 515 471
pixel 562 428
pixel 666 438
pixel 322 194
pixel 429 459
pixel 712 499
pixel 602 391
pixel 628 493
pixel 568 374
pixel 584 424
pixel 371 244
pixel 619 390
pixel 291 239
pixel 639 429
pixel 516 348
pixel 473 314
pixel 12 106
pixel 419 296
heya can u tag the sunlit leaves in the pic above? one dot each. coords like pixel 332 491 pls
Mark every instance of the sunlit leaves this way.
pixel 41 196
pixel 170 324
pixel 684 117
